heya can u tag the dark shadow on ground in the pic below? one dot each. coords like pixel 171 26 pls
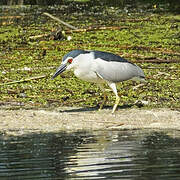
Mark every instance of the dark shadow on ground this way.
pixel 95 108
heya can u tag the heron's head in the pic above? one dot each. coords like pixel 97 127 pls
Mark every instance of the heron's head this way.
pixel 67 64
pixel 69 61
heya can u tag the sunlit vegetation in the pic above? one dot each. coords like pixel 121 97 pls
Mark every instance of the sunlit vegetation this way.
pixel 148 38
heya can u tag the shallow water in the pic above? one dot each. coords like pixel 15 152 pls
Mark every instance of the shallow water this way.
pixel 91 155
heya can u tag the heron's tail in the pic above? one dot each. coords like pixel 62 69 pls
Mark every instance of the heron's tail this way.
pixel 140 75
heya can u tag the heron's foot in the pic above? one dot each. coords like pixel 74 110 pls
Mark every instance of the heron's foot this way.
pixel 107 90
pixel 116 104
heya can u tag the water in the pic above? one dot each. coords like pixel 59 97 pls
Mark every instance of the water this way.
pixel 128 155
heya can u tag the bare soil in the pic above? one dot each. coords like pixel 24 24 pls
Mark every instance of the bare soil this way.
pixel 18 122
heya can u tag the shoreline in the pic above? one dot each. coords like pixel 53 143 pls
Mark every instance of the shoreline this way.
pixel 68 119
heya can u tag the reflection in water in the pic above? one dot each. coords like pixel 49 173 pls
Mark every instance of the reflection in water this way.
pixel 90 155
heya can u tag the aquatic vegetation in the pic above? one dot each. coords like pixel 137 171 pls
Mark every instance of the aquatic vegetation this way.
pixel 151 40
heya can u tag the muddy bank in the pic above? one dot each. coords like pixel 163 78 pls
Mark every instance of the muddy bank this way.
pixel 17 122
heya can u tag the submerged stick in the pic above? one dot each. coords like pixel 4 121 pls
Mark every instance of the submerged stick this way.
pixel 60 21
pixel 24 80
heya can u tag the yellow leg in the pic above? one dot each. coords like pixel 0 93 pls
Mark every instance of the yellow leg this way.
pixel 116 104
pixel 105 96
pixel 104 101
pixel 113 87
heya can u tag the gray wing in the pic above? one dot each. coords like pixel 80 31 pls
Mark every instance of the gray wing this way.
pixel 117 71
pixel 107 56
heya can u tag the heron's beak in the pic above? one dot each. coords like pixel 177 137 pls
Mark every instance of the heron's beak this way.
pixel 59 70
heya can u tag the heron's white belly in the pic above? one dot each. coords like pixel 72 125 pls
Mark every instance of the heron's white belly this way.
pixel 88 76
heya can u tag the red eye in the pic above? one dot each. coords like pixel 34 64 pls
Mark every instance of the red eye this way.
pixel 70 60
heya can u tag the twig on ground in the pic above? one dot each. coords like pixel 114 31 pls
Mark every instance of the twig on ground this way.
pixel 82 30
pixel 24 80
pixel 39 36
pixel 60 21
pixel 157 60
pixel 96 29
pixel 10 17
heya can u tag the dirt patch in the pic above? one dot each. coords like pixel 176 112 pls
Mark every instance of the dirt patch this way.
pixel 17 122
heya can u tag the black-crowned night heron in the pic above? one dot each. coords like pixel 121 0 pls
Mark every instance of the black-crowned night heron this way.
pixel 100 67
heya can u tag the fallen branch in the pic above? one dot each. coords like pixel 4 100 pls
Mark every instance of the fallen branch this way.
pixel 39 36
pixel 169 68
pixel 156 61
pixel 60 21
pixel 111 45
pixel 10 17
pixel 135 20
pixel 137 58
pixel 160 79
pixel 96 29
pixel 24 80
pixel 82 30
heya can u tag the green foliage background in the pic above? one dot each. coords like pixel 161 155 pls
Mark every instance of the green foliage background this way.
pixel 149 37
